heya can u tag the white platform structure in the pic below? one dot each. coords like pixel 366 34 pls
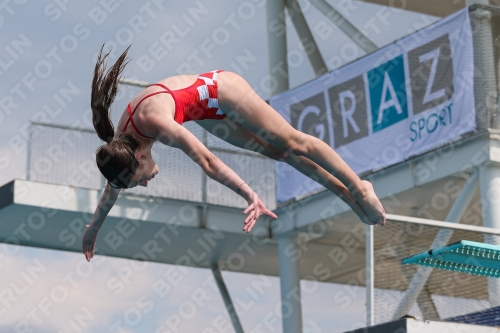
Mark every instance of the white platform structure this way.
pixel 316 237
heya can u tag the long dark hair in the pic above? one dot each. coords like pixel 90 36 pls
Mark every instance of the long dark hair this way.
pixel 115 159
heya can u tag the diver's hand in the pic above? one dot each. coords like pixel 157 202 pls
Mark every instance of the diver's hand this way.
pixel 88 242
pixel 255 208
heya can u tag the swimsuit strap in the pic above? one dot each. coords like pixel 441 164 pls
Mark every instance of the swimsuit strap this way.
pixel 131 113
pixel 164 87
pixel 168 90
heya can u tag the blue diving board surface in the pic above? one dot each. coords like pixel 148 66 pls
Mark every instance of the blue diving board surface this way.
pixel 463 256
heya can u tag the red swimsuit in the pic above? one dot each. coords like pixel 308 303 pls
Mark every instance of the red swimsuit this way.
pixel 196 102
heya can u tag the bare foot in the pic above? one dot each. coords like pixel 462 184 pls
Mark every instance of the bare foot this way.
pixel 347 197
pixel 370 203
pixel 356 208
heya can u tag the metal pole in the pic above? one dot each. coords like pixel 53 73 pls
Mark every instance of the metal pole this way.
pixel 441 224
pixel 28 153
pixel 442 238
pixel 79 129
pixel 291 310
pixel 345 26
pixel 306 37
pixel 484 60
pixel 227 299
pixel 370 277
pixel 489 179
pixel 136 83
pixel 277 49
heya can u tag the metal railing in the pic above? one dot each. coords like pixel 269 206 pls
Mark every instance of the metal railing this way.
pixel 445 294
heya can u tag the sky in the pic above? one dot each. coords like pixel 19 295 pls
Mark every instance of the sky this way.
pixel 46 46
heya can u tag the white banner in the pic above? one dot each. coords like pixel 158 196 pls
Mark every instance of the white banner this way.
pixel 400 101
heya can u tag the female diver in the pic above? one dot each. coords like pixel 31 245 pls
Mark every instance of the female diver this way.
pixel 211 99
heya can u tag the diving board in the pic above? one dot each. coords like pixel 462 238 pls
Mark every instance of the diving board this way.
pixel 463 256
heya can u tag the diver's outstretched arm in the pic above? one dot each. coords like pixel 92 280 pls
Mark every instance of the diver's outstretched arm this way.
pixel 174 135
pixel 107 201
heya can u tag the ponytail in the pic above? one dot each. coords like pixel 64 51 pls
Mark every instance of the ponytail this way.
pixel 115 159
pixel 104 90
